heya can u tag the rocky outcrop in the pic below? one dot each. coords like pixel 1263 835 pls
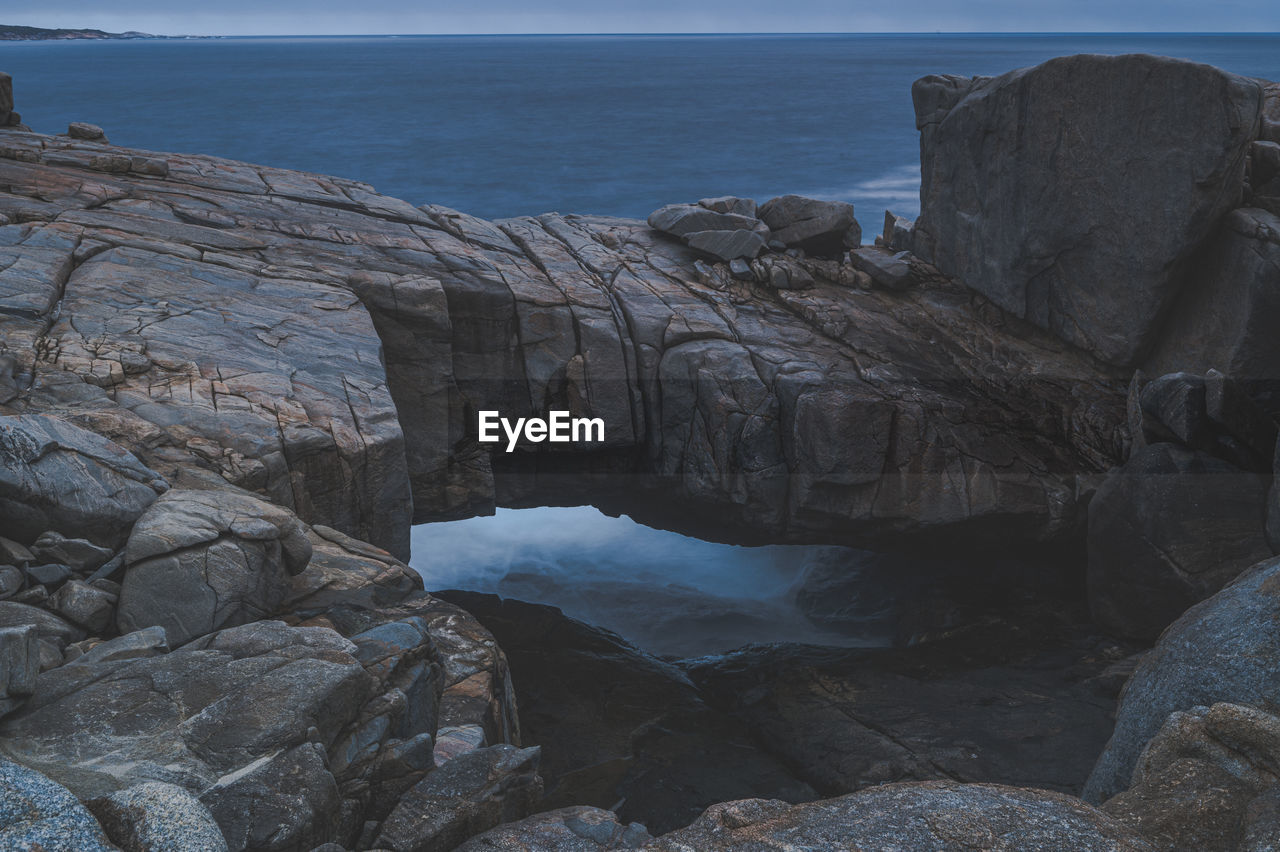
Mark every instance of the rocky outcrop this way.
pixel 1075 193
pixel 1209 780
pixel 326 347
pixel 930 815
pixel 1223 650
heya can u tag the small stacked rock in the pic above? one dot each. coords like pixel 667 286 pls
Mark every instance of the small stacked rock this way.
pixel 729 228
pixel 9 119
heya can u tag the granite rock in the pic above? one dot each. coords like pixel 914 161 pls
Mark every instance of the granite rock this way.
pixel 157 817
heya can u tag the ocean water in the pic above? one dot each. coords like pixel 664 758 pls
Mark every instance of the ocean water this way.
pixel 617 125
pixel 505 126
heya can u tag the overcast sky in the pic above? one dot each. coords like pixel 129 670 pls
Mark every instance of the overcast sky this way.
pixel 267 17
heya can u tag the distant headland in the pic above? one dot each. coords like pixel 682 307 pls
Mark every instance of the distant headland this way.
pixel 16 33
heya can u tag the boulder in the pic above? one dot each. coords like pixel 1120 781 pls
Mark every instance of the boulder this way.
pixel 1207 780
pixel 1074 193
pixel 39 815
pixel 727 245
pixel 889 271
pixel 138 645
pixel 1221 319
pixel 11 581
pixel 86 131
pixel 56 476
pixel 1167 530
pixel 897 232
pixel 820 227
pixel 50 627
pixel 76 553
pixel 157 817
pixel 680 220
pixel 939 815
pixel 572 829
pixel 468 795
pixel 730 204
pixel 1223 650
pixel 48 575
pixel 198 561
pixel 87 606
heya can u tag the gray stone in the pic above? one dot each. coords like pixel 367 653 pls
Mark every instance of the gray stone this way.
pixel 1225 649
pixel 76 553
pixel 157 817
pixel 49 626
pixel 573 829
pixel 85 605
pixel 1167 530
pixel 38 815
pixel 889 271
pixel 56 476
pixel 19 665
pixel 13 553
pixel 48 575
pixel 1173 407
pixel 290 801
pixel 741 269
pixel 931 815
pixel 822 227
pixel 726 245
pixel 1095 248
pixel 730 204
pixel 86 131
pixel 202 560
pixel 1207 780
pixel 680 220
pixel 132 646
pixel 468 795
pixel 11 581
pixel 897 232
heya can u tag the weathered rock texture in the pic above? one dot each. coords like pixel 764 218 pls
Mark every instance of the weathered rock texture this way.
pixel 575 829
pixel 929 815
pixel 326 347
pixel 1074 193
pixel 1222 650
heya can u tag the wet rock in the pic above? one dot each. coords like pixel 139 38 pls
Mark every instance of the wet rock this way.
pixel 40 815
pixel 157 817
pixel 618 725
pixel 85 605
pixel 1167 530
pixel 1223 650
pixel 820 227
pixel 87 132
pixel 985 220
pixel 1207 780
pixel 573 829
pixel 929 815
pixel 56 476
pixel 468 795
pixel 201 560
pixel 76 553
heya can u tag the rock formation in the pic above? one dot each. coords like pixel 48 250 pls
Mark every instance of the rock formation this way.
pixel 227 391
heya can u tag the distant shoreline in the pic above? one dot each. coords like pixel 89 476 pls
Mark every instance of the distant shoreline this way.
pixel 17 33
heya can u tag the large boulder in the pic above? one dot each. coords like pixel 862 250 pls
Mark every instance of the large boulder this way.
pixel 198 561
pixel 1073 193
pixel 158 817
pixel 1208 780
pixel 39 815
pixel 1226 314
pixel 932 815
pixel 56 476
pixel 822 227
pixel 1225 649
pixel 1167 530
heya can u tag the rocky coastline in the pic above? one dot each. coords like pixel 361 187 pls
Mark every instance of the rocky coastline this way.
pixel 227 391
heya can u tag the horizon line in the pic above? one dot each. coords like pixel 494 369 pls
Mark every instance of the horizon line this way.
pixel 678 33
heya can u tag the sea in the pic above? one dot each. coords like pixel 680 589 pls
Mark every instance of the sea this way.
pixel 617 125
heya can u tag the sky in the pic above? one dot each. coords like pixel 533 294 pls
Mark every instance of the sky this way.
pixel 294 17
